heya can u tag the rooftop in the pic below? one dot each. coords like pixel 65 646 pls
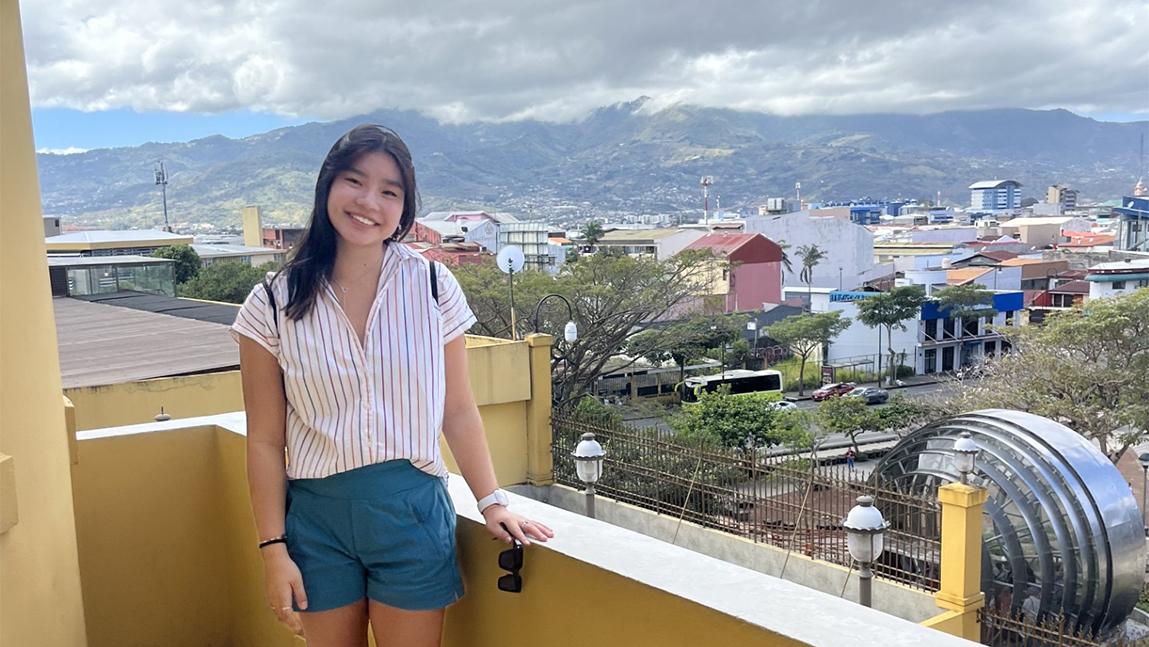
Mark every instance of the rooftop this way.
pixel 119 236
pixel 209 311
pixel 1127 265
pixel 83 261
pixel 215 251
pixel 102 344
pixel 993 184
pixel 637 235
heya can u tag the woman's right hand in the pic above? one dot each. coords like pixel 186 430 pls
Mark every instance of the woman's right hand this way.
pixel 284 583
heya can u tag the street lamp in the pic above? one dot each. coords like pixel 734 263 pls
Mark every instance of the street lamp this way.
pixel 864 527
pixel 570 332
pixel 162 182
pixel 588 463
pixel 753 325
pixel 1144 460
pixel 965 455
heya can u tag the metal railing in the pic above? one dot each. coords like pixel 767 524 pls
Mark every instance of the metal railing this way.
pixel 1002 628
pixel 792 502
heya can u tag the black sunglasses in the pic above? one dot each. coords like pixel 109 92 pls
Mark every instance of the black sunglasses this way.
pixel 511 560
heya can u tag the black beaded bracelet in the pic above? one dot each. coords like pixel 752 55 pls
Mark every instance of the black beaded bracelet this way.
pixel 282 539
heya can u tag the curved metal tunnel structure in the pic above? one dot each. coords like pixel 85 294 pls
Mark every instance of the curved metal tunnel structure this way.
pixel 1062 533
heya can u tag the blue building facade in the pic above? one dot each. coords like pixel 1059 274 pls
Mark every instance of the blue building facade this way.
pixel 995 197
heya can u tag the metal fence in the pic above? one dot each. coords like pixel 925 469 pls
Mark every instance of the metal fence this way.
pixel 793 502
pixel 1002 628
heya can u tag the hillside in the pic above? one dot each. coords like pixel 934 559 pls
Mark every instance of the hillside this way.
pixel 621 158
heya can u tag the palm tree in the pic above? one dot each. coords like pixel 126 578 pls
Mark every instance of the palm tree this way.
pixel 810 255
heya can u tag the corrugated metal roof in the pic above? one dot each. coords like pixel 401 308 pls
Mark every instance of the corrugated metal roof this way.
pixel 102 344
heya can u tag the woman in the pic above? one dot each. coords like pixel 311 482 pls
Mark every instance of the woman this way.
pixel 353 362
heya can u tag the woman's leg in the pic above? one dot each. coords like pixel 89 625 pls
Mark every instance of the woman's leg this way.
pixel 342 627
pixel 395 627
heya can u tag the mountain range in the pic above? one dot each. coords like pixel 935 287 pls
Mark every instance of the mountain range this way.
pixel 623 158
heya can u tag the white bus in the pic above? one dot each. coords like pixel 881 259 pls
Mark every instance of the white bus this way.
pixel 740 382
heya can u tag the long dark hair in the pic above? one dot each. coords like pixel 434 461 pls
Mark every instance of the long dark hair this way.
pixel 313 259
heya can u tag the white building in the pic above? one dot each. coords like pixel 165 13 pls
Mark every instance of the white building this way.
pixel 1117 278
pixel 849 248
pixel 930 343
pixel 659 243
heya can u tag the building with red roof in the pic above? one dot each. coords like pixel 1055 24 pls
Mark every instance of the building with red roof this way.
pixel 748 272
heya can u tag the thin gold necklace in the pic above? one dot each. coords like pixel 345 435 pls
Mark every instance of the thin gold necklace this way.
pixel 345 290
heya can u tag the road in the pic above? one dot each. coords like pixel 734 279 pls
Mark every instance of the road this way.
pixel 918 392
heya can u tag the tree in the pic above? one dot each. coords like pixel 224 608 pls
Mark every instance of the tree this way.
pixel 1087 368
pixel 891 310
pixel 787 264
pixel 741 420
pixel 685 340
pixel 613 298
pixel 970 301
pixel 187 261
pixel 847 416
pixel 805 333
pixel 810 256
pixel 592 233
pixel 226 281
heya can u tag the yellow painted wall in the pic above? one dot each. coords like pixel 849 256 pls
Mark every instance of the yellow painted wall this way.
pixel 252 226
pixel 40 597
pixel 168 557
pixel 134 403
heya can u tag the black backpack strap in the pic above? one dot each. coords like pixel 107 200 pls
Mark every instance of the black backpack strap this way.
pixel 271 302
pixel 434 283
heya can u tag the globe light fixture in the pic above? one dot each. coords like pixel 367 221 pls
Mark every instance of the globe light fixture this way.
pixel 588 457
pixel 864 528
pixel 965 455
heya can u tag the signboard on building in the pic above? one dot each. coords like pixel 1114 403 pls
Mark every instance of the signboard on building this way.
pixel 838 296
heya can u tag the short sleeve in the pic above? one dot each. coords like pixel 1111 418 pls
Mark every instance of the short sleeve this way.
pixel 457 315
pixel 256 321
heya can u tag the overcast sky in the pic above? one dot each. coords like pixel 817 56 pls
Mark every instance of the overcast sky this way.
pixel 288 60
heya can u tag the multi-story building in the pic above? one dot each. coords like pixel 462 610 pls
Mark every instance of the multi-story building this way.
pixel 1117 278
pixel 849 248
pixel 931 342
pixel 746 272
pixel 1132 224
pixel 1062 195
pixel 995 197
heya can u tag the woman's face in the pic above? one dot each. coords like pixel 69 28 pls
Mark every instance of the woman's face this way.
pixel 365 202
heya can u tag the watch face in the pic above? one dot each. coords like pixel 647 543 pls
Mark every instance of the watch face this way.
pixel 501 497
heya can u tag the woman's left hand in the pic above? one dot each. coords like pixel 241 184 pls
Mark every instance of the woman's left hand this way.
pixel 501 521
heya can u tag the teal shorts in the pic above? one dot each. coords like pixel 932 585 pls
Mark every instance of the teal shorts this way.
pixel 384 532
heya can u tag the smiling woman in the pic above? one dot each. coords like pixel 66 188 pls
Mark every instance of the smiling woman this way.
pixel 355 379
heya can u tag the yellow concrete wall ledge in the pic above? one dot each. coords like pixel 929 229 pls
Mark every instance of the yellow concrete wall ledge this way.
pixel 179 486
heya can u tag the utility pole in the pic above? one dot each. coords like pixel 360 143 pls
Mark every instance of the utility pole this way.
pixel 705 183
pixel 162 182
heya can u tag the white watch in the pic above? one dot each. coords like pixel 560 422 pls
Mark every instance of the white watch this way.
pixel 498 497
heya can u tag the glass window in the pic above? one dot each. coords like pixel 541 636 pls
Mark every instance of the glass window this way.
pixel 1119 285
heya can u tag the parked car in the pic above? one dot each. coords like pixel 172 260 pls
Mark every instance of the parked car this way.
pixel 871 394
pixel 783 405
pixel 832 391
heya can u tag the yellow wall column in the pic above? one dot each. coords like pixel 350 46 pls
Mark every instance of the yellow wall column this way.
pixel 960 590
pixel 540 463
pixel 40 601
pixel 252 226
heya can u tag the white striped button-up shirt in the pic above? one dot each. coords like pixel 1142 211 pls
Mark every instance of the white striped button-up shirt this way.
pixel 350 404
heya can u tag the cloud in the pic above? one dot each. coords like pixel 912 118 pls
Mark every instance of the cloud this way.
pixel 71 150
pixel 556 60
